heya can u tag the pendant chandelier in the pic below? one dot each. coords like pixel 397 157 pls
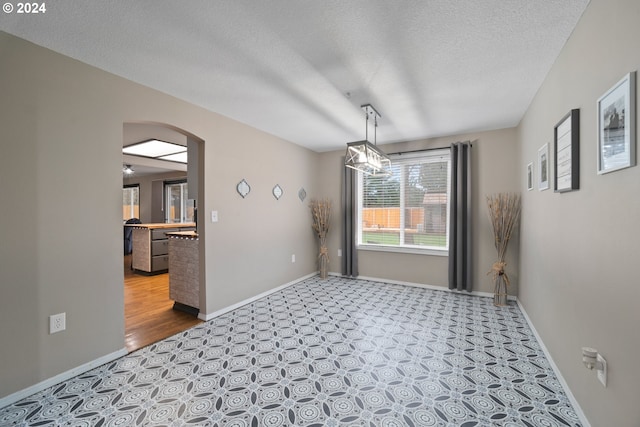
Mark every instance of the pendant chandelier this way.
pixel 365 156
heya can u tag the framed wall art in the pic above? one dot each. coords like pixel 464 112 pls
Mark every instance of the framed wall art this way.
pixel 566 150
pixel 616 126
pixel 543 167
pixel 530 176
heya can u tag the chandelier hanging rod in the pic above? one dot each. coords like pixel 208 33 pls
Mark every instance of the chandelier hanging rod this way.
pixel 370 111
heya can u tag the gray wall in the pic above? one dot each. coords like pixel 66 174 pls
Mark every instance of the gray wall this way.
pixel 579 250
pixel 494 170
pixel 61 126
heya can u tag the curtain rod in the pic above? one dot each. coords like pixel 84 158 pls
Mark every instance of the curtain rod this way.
pixel 422 150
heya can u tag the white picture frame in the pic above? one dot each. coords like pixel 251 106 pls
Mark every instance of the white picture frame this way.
pixel 617 126
pixel 530 176
pixel 543 168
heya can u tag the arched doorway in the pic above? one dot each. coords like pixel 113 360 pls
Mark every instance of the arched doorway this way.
pixel 149 312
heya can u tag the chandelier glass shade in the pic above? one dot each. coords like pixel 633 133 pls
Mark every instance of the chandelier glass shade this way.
pixel 365 156
pixel 368 158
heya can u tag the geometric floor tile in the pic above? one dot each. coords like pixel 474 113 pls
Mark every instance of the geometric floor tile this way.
pixel 335 352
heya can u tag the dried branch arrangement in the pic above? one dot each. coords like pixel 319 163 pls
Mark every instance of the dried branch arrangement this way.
pixel 504 212
pixel 321 212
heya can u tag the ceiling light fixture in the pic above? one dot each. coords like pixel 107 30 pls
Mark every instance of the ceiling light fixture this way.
pixel 365 156
pixel 178 157
pixel 156 149
pixel 127 170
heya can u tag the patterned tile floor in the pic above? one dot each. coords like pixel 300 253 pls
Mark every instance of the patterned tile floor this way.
pixel 324 353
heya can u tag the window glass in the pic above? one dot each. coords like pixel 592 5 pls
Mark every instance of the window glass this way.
pixel 178 208
pixel 130 202
pixel 408 209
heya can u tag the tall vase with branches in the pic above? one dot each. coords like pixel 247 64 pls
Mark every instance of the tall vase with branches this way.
pixel 321 213
pixel 504 212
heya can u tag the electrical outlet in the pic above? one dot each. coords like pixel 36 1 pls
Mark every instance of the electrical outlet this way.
pixel 339 252
pixel 57 323
pixel 602 370
pixel 293 258
pixel 214 216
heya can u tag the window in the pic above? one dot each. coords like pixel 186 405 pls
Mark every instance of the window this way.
pixel 409 210
pixel 130 202
pixel 178 208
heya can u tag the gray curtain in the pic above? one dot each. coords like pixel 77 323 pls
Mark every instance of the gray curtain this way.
pixel 349 224
pixel 460 256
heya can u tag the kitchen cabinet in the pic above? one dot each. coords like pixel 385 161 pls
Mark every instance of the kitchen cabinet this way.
pixel 151 246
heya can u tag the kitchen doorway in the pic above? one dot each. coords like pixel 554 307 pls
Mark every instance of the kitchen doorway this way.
pixel 148 310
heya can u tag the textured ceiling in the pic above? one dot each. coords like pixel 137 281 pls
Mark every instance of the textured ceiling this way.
pixel 301 69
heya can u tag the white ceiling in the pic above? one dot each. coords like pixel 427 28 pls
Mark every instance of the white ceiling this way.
pixel 301 69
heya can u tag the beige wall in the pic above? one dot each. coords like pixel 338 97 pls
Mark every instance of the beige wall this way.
pixel 494 170
pixel 61 127
pixel 579 250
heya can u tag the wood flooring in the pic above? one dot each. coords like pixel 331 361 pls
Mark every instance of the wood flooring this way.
pixel 148 311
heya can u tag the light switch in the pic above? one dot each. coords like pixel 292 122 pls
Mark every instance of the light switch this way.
pixel 214 216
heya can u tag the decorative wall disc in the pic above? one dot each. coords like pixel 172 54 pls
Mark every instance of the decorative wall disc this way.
pixel 302 194
pixel 243 188
pixel 277 192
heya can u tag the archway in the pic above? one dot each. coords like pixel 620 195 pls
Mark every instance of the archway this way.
pixel 149 314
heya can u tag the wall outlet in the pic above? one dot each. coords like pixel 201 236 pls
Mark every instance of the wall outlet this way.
pixel 57 323
pixel 214 216
pixel 602 370
pixel 293 258
pixel 339 252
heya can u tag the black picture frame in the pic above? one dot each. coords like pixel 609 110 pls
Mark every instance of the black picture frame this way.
pixel 566 149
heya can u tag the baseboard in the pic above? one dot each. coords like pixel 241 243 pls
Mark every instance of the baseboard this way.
pixel 64 376
pixel 209 316
pixel 426 286
pixel 583 419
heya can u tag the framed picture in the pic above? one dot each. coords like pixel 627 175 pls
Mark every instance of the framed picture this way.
pixel 543 167
pixel 530 176
pixel 616 126
pixel 566 150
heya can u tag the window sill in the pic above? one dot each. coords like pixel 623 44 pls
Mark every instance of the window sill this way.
pixel 404 250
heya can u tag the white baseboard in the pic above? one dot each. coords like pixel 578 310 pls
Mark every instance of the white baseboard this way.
pixel 425 286
pixel 209 316
pixel 583 419
pixel 43 385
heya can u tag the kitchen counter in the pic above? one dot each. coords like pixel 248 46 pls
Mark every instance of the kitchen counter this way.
pixel 150 253
pixel 160 225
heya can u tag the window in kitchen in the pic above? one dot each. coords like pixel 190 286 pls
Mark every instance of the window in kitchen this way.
pixel 178 207
pixel 130 201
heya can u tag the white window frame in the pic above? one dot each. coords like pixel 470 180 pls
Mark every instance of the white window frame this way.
pixel 183 201
pixel 402 248
pixel 130 189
